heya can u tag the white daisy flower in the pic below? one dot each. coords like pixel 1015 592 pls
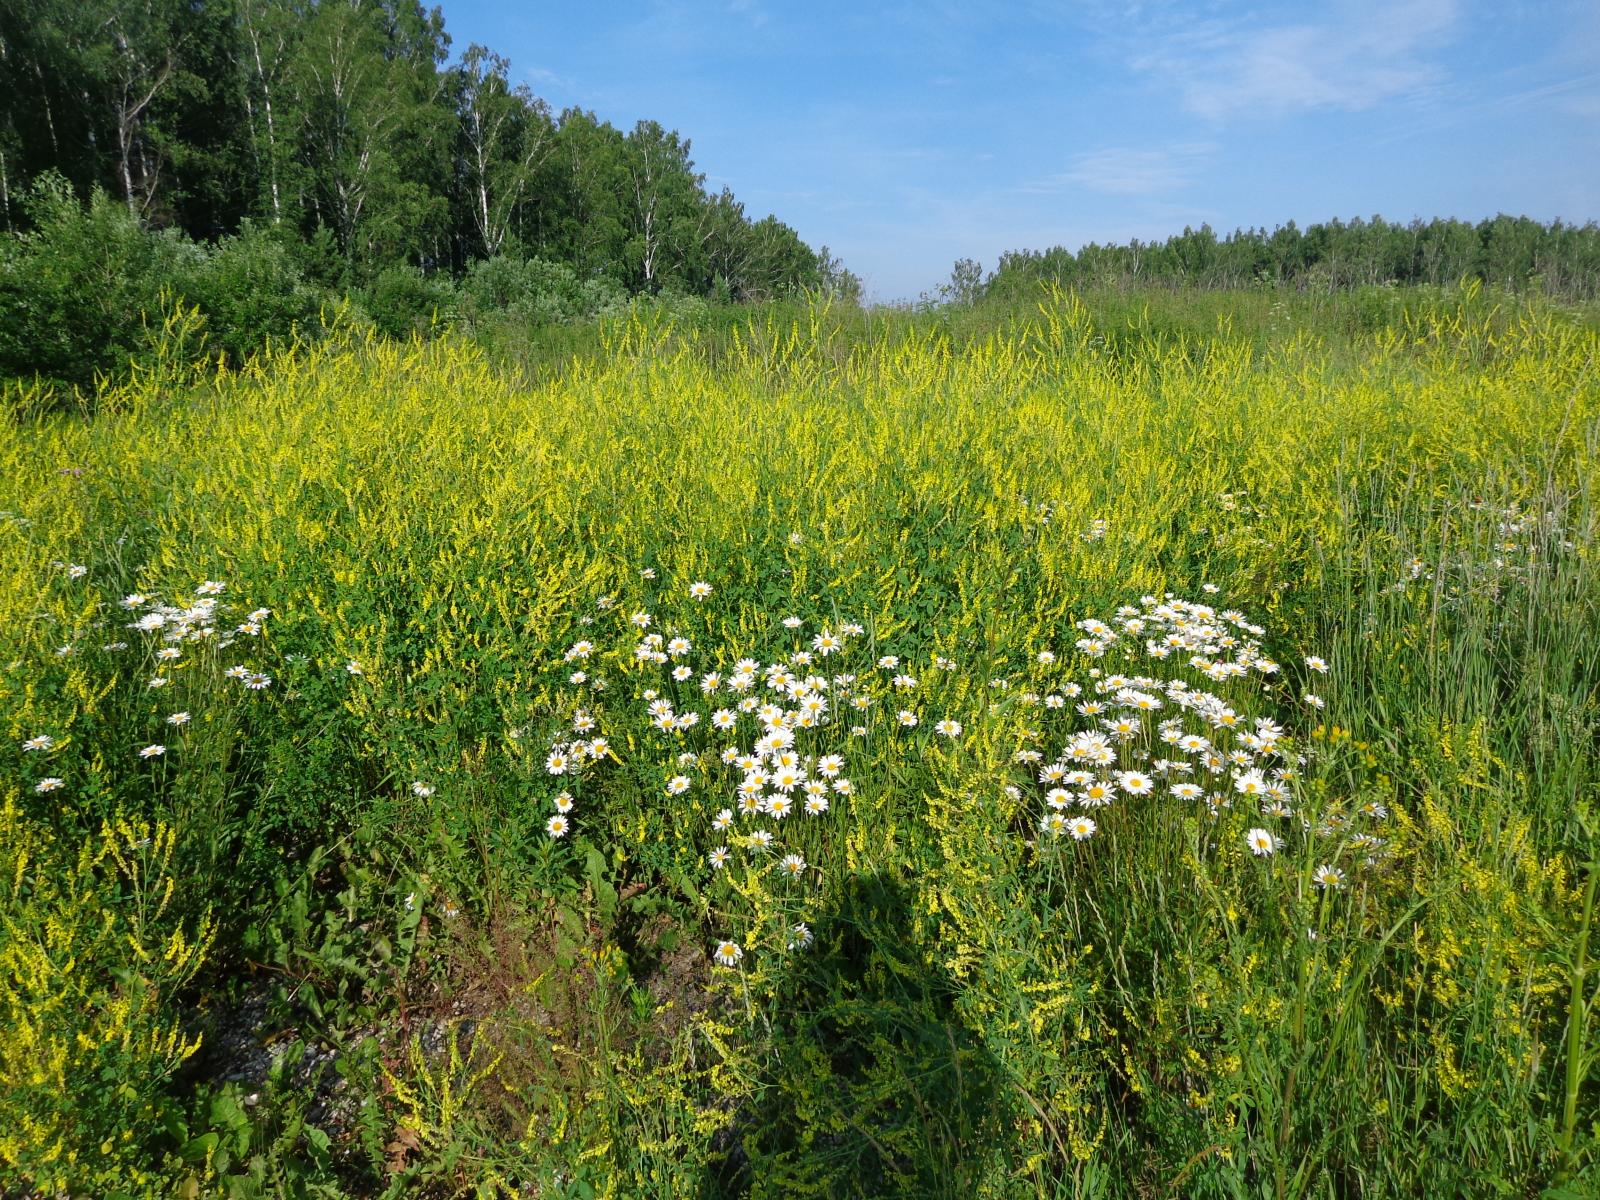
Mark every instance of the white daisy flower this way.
pixel 1262 843
pixel 1327 876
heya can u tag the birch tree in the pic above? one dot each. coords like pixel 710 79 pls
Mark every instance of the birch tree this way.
pixel 506 135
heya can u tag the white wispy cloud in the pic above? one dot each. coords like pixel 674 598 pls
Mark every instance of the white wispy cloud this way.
pixel 750 10
pixel 1124 171
pixel 543 77
pixel 1350 55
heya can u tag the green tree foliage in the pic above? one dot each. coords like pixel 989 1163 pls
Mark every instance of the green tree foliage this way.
pixel 663 195
pixel 125 95
pixel 82 290
pixel 345 125
pixel 254 159
pixel 372 132
pixel 533 291
pixel 1516 252
pixel 505 136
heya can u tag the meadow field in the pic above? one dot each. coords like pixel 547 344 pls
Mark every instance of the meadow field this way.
pixel 1080 755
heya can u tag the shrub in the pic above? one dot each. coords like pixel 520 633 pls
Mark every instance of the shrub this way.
pixel 534 291
pixel 86 291
pixel 250 290
pixel 73 290
pixel 402 300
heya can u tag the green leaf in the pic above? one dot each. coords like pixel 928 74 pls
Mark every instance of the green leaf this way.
pixel 198 1149
pixel 605 896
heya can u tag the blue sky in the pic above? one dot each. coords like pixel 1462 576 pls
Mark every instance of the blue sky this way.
pixel 907 135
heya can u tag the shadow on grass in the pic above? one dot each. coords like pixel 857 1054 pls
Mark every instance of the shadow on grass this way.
pixel 873 1085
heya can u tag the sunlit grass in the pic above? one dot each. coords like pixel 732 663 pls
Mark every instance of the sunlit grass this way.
pixel 941 995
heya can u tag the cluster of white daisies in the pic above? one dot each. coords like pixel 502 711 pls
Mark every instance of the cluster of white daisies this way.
pixel 170 635
pixel 1150 730
pixel 770 733
pixel 1178 720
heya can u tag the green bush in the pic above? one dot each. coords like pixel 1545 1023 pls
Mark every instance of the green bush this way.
pixel 73 290
pixel 402 300
pixel 251 291
pixel 533 291
pixel 84 293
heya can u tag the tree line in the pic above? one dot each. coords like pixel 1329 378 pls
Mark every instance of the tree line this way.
pixel 1557 258
pixel 346 126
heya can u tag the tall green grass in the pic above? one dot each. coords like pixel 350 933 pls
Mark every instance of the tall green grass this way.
pixel 984 1009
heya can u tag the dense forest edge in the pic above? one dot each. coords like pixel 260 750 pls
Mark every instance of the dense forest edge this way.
pixel 90 294
pixel 257 160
